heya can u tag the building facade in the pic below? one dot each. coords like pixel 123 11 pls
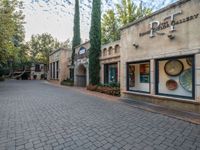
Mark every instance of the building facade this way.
pixel 38 71
pixel 58 64
pixel 109 62
pixel 81 67
pixel 160 61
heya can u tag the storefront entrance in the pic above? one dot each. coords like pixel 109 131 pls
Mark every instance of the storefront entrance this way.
pixel 81 76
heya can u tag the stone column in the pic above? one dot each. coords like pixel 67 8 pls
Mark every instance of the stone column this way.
pixel 75 72
pixel 102 73
pixel 58 70
pixel 55 70
pixel 52 70
pixel 87 75
pixel 197 77
pixel 123 77
pixel 152 76
pixel 54 66
pixel 49 73
pixel 118 71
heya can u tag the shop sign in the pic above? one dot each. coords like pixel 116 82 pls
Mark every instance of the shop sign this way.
pixel 156 26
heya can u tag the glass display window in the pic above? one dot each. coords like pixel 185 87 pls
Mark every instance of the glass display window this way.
pixel 175 77
pixel 110 73
pixel 138 76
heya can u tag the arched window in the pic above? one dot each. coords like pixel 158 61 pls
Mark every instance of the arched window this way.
pixel 110 51
pixel 104 51
pixel 117 49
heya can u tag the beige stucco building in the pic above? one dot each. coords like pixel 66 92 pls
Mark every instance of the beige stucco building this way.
pixel 38 71
pixel 109 61
pixel 157 58
pixel 160 57
pixel 58 64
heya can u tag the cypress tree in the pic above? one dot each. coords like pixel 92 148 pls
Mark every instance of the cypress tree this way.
pixel 95 43
pixel 76 38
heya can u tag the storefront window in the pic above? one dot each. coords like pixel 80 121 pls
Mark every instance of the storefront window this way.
pixel 110 73
pixel 139 77
pixel 175 77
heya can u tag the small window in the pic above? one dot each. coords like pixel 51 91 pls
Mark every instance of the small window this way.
pixel 37 68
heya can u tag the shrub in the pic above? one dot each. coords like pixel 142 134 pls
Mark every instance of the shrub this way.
pixel 35 77
pixel 111 88
pixel 2 78
pixel 67 82
pixel 92 87
pixel 4 71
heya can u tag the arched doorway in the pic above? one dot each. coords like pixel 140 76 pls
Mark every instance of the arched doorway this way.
pixel 81 76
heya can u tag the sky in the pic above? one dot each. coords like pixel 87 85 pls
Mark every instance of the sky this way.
pixel 56 16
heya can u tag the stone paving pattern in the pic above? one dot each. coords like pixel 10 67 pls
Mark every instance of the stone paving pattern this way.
pixel 38 116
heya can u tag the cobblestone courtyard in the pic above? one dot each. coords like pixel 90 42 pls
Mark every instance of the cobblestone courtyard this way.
pixel 36 115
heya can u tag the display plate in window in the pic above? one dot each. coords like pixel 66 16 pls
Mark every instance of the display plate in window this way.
pixel 173 67
pixel 186 80
pixel 189 61
pixel 171 84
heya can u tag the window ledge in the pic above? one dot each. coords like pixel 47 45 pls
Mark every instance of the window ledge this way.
pixel 192 101
pixel 109 57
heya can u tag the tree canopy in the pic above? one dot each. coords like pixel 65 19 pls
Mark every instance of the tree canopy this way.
pixel 124 13
pixel 109 27
pixel 11 31
pixel 127 11
pixel 41 45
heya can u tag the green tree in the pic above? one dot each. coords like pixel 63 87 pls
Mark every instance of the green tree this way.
pixel 76 38
pixel 95 43
pixel 66 44
pixel 128 11
pixel 41 46
pixel 22 59
pixel 11 29
pixel 109 27
pixel 11 35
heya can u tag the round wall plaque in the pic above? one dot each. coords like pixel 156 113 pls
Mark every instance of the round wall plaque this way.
pixel 173 67
pixel 171 84
pixel 186 80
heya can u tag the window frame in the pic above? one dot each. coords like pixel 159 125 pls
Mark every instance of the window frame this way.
pixel 157 77
pixel 106 72
pixel 127 75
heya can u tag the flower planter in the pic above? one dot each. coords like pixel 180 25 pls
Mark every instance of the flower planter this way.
pixel 115 91
pixel 92 87
pixel 67 83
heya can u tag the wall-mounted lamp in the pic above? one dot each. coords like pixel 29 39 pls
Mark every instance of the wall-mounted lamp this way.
pixel 135 45
pixel 171 37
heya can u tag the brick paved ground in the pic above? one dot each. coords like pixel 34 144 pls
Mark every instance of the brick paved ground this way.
pixel 35 115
